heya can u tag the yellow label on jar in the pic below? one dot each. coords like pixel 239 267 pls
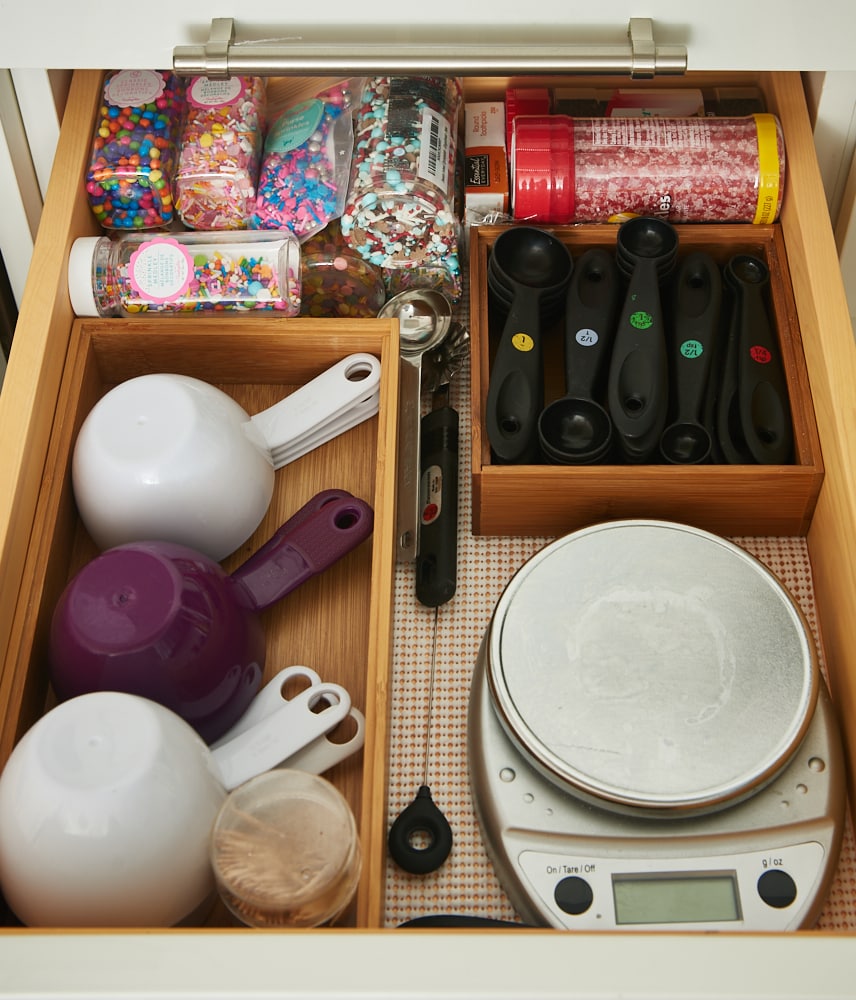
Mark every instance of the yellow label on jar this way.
pixel 769 169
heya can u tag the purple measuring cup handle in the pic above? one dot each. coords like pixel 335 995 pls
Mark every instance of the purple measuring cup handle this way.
pixel 306 545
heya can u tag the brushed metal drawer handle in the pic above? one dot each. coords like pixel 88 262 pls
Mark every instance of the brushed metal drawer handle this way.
pixel 640 58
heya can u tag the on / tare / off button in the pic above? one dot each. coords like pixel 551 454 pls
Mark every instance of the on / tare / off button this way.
pixel 777 888
pixel 573 895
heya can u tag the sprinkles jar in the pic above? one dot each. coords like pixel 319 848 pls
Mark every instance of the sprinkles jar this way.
pixel 132 163
pixel 180 273
pixel 401 211
pixel 220 150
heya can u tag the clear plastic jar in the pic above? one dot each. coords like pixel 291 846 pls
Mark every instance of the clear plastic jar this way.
pixel 220 152
pixel 132 163
pixel 184 273
pixel 401 212
pixel 679 169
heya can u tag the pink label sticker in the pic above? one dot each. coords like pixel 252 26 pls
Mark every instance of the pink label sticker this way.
pixel 207 93
pixel 760 354
pixel 129 88
pixel 160 270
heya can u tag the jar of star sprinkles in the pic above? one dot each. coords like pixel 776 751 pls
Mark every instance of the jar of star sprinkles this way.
pixel 401 212
pixel 185 273
pixel 133 158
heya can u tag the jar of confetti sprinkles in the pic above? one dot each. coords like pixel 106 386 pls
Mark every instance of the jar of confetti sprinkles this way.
pixel 132 164
pixel 220 151
pixel 185 273
pixel 401 209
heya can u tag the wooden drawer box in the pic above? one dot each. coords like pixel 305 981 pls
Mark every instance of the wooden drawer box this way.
pixel 731 500
pixel 35 408
pixel 339 623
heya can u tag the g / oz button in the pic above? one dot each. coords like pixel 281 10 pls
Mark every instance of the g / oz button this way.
pixel 777 888
pixel 573 895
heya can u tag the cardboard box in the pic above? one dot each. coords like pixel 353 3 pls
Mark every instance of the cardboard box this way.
pixel 486 192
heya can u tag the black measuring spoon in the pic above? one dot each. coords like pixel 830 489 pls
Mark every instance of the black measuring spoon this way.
pixel 576 429
pixel 534 266
pixel 763 406
pixel 693 328
pixel 637 388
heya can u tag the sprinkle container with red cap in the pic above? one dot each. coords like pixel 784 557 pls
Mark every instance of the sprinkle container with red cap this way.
pixel 680 169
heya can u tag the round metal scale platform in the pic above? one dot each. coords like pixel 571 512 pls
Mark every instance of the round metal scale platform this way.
pixel 642 693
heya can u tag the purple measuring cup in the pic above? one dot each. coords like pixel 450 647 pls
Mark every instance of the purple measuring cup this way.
pixel 166 622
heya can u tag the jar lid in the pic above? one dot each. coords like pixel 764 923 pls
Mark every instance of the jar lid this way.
pixel 80 284
pixel 524 101
pixel 542 164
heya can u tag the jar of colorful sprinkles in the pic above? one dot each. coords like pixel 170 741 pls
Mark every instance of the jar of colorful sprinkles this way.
pixel 401 212
pixel 132 164
pixel 220 152
pixel 185 273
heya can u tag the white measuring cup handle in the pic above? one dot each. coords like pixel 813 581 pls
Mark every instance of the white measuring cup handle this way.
pixel 327 396
pixel 281 733
pixel 268 700
pixel 322 753
pixel 332 428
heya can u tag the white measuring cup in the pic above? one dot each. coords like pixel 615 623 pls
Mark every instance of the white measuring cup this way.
pixel 108 801
pixel 173 458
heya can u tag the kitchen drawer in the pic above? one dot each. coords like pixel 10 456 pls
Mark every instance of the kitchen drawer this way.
pixel 30 418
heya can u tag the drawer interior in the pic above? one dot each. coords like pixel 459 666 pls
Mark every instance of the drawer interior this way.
pixel 35 410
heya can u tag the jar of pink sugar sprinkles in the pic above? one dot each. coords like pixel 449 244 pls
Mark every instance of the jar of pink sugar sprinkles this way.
pixel 132 163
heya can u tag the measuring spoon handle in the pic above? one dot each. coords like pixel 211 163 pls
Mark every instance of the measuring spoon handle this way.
pixel 515 394
pixel 697 301
pixel 592 307
pixel 637 386
pixel 765 414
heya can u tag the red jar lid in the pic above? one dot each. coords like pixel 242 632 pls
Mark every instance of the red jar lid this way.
pixel 524 101
pixel 542 165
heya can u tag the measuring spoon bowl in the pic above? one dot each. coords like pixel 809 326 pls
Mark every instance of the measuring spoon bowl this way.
pixel 424 317
pixel 576 429
pixel 695 317
pixel 534 263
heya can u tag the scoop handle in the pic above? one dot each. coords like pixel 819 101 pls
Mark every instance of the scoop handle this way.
pixel 319 540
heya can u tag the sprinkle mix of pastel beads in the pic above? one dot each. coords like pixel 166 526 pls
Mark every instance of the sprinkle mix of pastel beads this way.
pixel 336 282
pixel 220 153
pixel 133 157
pixel 400 213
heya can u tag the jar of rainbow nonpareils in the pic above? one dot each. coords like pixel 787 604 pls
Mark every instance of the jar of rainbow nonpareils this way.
pixel 132 162
pixel 185 273
pixel 401 212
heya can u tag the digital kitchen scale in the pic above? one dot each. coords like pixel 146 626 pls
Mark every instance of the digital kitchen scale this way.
pixel 651 743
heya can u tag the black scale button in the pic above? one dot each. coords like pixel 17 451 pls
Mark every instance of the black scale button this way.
pixel 777 888
pixel 573 895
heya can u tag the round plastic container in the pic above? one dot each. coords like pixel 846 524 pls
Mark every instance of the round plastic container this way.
pixel 285 851
pixel 134 149
pixel 185 273
pixel 678 169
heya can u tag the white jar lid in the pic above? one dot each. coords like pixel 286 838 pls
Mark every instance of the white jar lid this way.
pixel 80 291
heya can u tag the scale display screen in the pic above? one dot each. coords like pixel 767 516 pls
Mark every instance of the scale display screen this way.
pixel 665 898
